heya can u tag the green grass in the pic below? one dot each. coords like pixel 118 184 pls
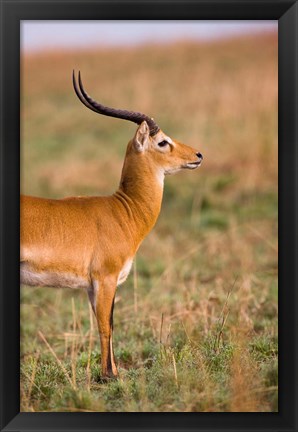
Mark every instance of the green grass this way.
pixel 176 356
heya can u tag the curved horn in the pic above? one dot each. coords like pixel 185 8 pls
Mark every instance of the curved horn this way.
pixel 135 117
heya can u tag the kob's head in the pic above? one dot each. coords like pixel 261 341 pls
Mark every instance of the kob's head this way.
pixel 166 153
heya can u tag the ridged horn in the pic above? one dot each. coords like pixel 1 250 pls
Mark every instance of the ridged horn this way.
pixel 135 117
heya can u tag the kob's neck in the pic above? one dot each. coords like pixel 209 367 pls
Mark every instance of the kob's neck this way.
pixel 142 183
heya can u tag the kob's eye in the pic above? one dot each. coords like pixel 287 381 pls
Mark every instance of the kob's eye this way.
pixel 163 143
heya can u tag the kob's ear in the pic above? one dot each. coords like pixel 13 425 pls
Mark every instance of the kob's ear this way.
pixel 141 138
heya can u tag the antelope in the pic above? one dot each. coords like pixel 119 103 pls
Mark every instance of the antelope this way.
pixel 90 242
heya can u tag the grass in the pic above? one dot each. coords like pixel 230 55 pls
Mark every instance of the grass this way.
pixel 196 320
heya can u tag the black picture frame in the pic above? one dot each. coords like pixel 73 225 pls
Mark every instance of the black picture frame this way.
pixel 12 12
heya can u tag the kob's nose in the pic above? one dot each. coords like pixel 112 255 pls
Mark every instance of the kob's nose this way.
pixel 200 156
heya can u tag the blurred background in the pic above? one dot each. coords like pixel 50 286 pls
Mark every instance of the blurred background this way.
pixel 196 320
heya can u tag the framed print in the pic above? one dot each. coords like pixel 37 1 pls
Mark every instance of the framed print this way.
pixel 101 102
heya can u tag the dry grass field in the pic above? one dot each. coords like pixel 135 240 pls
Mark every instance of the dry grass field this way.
pixel 195 324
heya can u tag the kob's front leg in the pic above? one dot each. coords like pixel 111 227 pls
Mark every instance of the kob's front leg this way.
pixel 104 316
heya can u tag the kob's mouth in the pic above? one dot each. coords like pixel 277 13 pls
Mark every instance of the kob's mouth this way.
pixel 192 165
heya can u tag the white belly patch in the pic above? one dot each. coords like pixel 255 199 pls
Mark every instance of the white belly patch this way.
pixel 51 279
pixel 124 272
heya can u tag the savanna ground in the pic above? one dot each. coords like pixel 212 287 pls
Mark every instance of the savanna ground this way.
pixel 196 321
